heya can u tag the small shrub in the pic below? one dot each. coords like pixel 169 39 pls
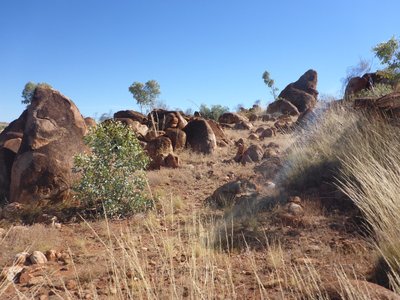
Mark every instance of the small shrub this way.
pixel 113 173
pixel 377 91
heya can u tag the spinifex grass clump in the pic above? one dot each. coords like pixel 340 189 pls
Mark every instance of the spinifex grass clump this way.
pixel 371 178
pixel 112 174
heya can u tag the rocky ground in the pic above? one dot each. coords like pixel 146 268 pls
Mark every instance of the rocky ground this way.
pixel 186 249
pixel 229 221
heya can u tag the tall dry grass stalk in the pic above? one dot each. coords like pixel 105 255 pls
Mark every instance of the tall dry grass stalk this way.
pixel 371 178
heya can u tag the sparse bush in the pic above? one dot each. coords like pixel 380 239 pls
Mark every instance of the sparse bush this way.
pixel 214 112
pixel 376 91
pixel 112 174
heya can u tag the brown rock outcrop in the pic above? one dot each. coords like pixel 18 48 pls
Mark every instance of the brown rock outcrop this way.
pixel 158 149
pixel 177 137
pixel 232 118
pixel 53 134
pixel 90 122
pixel 222 139
pixel 200 137
pixel 302 93
pixel 252 154
pixel 10 141
pixel 357 84
pixel 130 114
pixel 164 119
pixel 283 106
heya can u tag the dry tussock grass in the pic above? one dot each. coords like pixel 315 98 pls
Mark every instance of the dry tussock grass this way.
pixel 360 154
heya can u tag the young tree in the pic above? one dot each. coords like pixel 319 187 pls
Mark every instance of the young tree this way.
pixel 112 173
pixel 145 94
pixel 389 55
pixel 29 90
pixel 271 84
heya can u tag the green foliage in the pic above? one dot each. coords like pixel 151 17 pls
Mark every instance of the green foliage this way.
pixel 29 90
pixel 145 94
pixel 113 173
pixel 389 55
pixel 214 112
pixel 271 84
pixel 378 90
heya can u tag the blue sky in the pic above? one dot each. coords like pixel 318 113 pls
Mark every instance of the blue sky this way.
pixel 203 51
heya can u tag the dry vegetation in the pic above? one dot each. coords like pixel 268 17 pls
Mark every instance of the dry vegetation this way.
pixel 3 125
pixel 185 250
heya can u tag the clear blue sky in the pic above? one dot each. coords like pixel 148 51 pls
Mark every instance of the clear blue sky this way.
pixel 203 51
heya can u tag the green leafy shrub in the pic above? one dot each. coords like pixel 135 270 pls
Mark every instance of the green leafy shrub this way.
pixel 214 112
pixel 112 175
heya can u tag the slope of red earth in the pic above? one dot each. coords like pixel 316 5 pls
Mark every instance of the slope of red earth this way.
pixel 184 249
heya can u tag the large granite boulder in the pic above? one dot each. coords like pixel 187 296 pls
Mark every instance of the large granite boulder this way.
pixel 284 107
pixel 163 119
pixel 10 141
pixel 367 81
pixel 222 139
pixel 232 118
pixel 177 137
pixel 130 114
pixel 158 149
pixel 303 93
pixel 53 131
pixel 200 136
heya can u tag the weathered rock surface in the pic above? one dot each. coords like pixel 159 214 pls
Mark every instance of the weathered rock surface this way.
pixel 53 134
pixel 252 154
pixel 302 93
pixel 138 128
pixel 37 257
pixel 130 114
pixel 158 149
pixel 220 136
pixel 232 118
pixel 229 193
pixel 164 119
pixel 269 168
pixel 357 84
pixel 10 141
pixel 90 122
pixel 200 137
pixel 336 290
pixel 282 106
pixel 177 137
pixel 267 133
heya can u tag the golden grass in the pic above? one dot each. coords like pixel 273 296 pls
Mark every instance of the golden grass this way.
pixel 371 178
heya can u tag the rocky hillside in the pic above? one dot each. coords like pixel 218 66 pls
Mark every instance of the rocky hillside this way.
pixel 257 205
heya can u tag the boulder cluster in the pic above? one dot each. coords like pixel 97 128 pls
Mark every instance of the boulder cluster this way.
pixel 37 149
